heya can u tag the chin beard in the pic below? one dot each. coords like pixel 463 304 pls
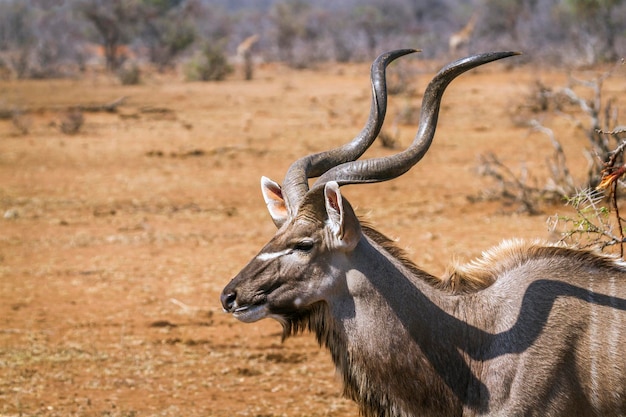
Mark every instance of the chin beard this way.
pixel 314 318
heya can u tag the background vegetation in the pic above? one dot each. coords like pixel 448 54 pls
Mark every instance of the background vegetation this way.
pixel 54 38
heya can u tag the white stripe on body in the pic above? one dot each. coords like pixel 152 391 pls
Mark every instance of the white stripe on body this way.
pixel 594 346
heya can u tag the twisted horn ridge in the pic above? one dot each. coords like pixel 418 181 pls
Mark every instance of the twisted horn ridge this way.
pixel 383 169
pixel 295 185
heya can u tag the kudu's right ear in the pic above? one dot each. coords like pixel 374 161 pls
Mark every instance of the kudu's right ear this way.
pixel 341 218
pixel 273 196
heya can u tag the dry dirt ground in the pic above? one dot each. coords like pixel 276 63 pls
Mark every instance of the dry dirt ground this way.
pixel 115 242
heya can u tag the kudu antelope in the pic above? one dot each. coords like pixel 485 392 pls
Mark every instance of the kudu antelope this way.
pixel 530 329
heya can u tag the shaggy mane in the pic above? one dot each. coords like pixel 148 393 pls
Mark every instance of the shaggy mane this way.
pixel 512 253
pixel 482 272
pixel 453 283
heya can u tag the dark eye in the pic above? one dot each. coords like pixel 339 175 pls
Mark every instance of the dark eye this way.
pixel 304 245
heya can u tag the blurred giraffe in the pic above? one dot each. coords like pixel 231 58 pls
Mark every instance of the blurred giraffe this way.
pixel 461 38
pixel 244 51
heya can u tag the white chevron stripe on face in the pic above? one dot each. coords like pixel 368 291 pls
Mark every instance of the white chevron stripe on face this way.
pixel 272 255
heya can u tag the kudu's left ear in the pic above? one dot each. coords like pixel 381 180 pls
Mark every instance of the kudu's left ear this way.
pixel 341 218
pixel 273 196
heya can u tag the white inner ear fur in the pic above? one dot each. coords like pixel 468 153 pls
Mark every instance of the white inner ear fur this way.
pixel 342 222
pixel 273 196
pixel 334 208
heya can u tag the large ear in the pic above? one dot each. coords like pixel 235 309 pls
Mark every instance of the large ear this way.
pixel 273 196
pixel 341 218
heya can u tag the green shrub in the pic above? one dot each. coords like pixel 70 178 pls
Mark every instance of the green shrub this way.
pixel 129 74
pixel 209 64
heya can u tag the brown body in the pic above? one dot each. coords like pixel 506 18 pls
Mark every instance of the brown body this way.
pixel 530 329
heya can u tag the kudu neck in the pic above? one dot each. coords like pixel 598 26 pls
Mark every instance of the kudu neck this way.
pixel 392 320
pixel 399 282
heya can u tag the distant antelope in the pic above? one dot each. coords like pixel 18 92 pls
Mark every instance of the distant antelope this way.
pixel 527 330
pixel 461 38
pixel 244 52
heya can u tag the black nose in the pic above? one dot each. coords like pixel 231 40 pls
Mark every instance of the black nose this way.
pixel 228 300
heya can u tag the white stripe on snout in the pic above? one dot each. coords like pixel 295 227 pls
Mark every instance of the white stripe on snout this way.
pixel 272 255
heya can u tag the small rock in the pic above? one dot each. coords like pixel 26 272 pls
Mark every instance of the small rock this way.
pixel 11 214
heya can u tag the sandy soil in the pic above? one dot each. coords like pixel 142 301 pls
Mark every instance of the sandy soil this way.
pixel 115 242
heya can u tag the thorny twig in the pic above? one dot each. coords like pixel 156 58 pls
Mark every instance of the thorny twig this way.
pixel 563 182
pixel 595 222
pixel 517 189
pixel 610 178
pixel 512 187
pixel 591 227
